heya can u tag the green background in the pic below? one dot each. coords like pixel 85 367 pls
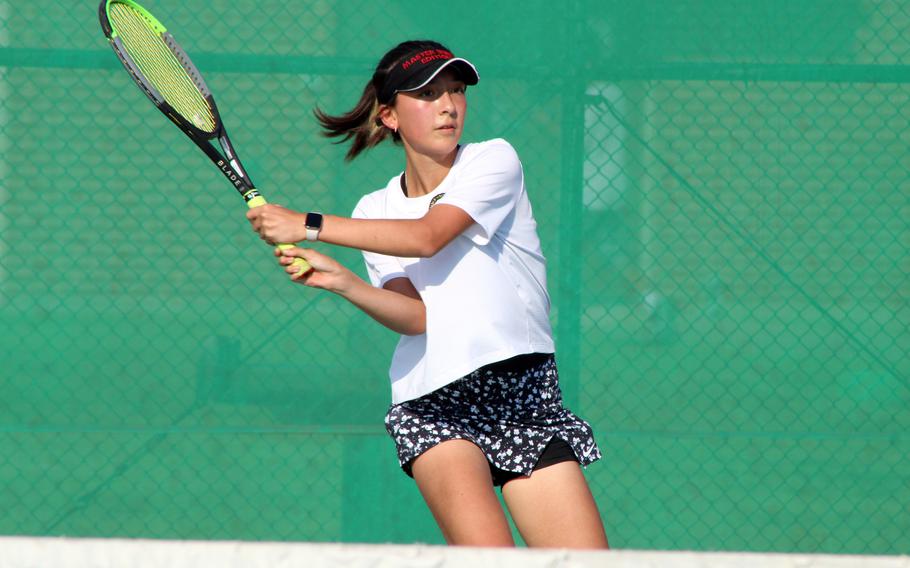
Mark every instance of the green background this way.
pixel 723 198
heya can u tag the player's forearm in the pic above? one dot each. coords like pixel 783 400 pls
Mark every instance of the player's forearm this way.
pixel 393 237
pixel 400 313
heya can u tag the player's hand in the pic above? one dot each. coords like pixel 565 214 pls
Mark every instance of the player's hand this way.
pixel 277 224
pixel 327 272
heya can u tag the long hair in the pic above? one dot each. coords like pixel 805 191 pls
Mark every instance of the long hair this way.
pixel 362 124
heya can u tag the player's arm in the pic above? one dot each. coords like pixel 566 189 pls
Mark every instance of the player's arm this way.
pixel 398 306
pixel 411 238
pixel 415 238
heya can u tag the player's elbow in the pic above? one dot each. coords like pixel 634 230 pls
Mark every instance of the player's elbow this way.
pixel 426 249
pixel 428 242
pixel 416 325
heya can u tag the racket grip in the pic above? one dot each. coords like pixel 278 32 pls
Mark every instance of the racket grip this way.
pixel 302 265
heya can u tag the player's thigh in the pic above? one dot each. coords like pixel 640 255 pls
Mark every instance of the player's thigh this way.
pixel 554 507
pixel 454 479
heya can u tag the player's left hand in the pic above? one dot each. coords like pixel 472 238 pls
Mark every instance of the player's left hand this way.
pixel 327 273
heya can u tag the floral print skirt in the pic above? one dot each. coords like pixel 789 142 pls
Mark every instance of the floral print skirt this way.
pixel 511 410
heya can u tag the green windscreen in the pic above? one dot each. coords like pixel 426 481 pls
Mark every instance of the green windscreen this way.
pixel 722 195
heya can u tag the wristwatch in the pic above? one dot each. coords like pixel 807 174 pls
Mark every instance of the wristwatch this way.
pixel 313 225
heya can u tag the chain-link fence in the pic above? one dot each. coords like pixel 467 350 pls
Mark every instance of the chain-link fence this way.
pixel 722 194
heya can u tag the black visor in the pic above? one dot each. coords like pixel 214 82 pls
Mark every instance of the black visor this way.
pixel 418 69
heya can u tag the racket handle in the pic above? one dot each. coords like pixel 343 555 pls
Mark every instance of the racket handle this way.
pixel 303 267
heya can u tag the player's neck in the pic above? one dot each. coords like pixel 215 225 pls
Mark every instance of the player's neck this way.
pixel 424 173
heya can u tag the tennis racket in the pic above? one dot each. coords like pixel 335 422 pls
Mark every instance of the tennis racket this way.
pixel 166 75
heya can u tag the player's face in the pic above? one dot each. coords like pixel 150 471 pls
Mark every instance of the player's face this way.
pixel 430 120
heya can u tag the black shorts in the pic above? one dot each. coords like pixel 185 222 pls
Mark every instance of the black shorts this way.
pixel 511 410
pixel 557 451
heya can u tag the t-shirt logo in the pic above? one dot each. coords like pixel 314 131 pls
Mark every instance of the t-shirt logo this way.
pixel 434 200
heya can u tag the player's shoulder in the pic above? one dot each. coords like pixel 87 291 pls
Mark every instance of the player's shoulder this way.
pixel 499 147
pixel 493 155
pixel 373 203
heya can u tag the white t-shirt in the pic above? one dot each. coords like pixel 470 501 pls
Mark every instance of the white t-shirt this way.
pixel 486 291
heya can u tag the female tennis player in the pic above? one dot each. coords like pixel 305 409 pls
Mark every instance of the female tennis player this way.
pixel 456 268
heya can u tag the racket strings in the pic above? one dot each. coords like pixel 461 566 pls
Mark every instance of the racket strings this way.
pixel 160 66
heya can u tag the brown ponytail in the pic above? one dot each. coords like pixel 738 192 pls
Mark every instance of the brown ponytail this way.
pixel 361 123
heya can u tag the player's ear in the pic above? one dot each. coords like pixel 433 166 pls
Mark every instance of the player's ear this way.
pixel 388 117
